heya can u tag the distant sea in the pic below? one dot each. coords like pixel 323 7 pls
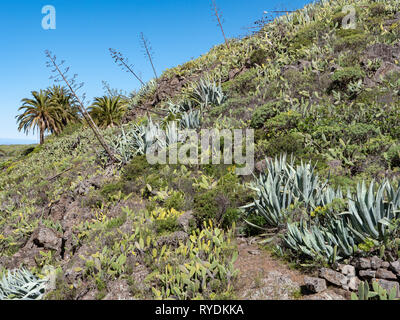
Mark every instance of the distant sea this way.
pixel 16 141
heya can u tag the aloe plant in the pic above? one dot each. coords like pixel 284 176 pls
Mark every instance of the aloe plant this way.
pixel 20 284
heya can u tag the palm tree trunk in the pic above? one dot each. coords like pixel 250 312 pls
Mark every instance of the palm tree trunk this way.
pixel 41 136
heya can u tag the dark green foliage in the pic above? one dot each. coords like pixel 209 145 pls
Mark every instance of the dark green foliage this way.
pixel 258 57
pixel 393 156
pixel 109 190
pixel 377 9
pixel 342 77
pixel 168 225
pixel 350 39
pixel 243 83
pixel 307 35
pixel 262 114
pixel 220 204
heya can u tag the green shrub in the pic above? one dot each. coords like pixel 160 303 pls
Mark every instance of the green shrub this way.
pixel 307 35
pixel 258 57
pixel 262 114
pixel 350 39
pixel 393 156
pixel 377 9
pixel 109 190
pixel 342 77
pixel 284 121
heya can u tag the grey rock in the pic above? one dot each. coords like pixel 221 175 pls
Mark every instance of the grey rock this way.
pixel 333 277
pixel 385 274
pixel 367 274
pixel 276 286
pixel 353 283
pixel 363 263
pixel 46 238
pixel 118 290
pixel 388 286
pixel 395 267
pixel 384 70
pixel 376 263
pixel 385 265
pixel 261 166
pixel 315 285
pixel 325 296
pixel 184 220
pixel 347 270
pixel 172 239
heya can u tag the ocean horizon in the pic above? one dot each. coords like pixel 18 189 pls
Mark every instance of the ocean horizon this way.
pixel 5 141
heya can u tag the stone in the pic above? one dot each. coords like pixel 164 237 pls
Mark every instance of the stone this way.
pixel 382 51
pixel 254 252
pixel 315 285
pixel 353 283
pixel 363 264
pixel 333 277
pixel 395 267
pixel 385 274
pixel 367 274
pixel 172 239
pixel 185 219
pixel 376 263
pixel 347 270
pixel 118 290
pixel 385 265
pixel 261 166
pixel 46 238
pixel 385 69
pixel 388 286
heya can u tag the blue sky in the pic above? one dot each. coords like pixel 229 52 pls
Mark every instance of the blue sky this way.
pixel 178 30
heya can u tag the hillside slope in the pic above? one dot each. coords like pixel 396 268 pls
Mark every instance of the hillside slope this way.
pixel 307 86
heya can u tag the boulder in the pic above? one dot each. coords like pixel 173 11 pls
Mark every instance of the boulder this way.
pixel 347 270
pixel 333 277
pixel 376 263
pixel 184 220
pixel 395 267
pixel 388 286
pixel 385 69
pixel 382 51
pixel 367 274
pixel 315 285
pixel 385 274
pixel 353 283
pixel 46 238
pixel 363 263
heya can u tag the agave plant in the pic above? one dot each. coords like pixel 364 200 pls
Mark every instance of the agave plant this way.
pixel 282 186
pixel 314 242
pixel 308 188
pixel 191 119
pixel 207 93
pixel 274 197
pixel 370 213
pixel 20 284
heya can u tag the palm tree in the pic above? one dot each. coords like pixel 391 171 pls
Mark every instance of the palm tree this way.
pixel 60 97
pixel 39 113
pixel 107 111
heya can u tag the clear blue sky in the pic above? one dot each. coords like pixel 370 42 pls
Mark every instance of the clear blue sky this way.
pixel 177 29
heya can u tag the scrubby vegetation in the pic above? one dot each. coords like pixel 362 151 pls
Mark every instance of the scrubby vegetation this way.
pixel 324 104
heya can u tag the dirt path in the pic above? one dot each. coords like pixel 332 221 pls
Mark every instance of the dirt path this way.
pixel 263 277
